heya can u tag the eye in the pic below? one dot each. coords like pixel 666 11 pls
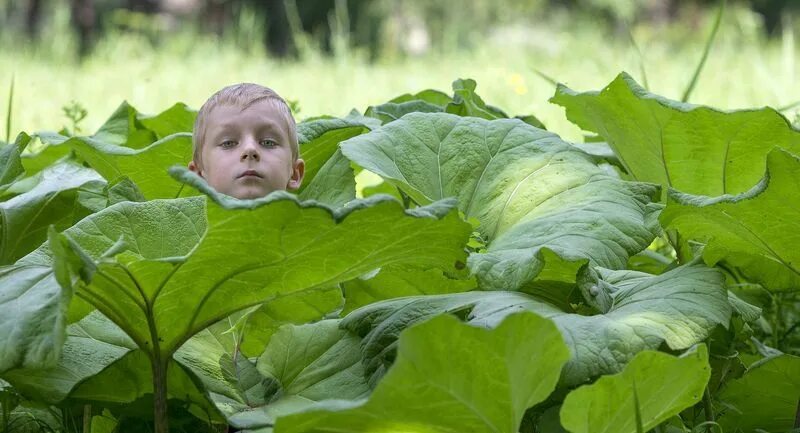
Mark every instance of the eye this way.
pixel 267 142
pixel 227 144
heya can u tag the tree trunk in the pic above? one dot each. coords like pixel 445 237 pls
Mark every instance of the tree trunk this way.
pixel 33 18
pixel 84 19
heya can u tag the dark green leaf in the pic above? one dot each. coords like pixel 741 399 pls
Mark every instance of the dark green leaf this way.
pixel 440 382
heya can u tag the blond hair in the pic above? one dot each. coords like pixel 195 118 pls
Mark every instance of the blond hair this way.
pixel 241 95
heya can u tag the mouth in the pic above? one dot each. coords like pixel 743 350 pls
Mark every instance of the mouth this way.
pixel 250 173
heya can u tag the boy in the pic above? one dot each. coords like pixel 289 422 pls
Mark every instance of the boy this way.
pixel 245 143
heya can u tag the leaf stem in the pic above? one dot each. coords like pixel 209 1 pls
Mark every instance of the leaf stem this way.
pixel 639 54
pixel 87 418
pixel 10 106
pixel 776 325
pixel 160 416
pixel 789 331
pixel 708 408
pixel 159 366
pixel 5 404
pixel 546 77
pixel 637 409
pixel 706 50
pixel 797 415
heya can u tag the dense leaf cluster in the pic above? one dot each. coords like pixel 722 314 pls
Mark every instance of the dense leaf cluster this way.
pixel 496 278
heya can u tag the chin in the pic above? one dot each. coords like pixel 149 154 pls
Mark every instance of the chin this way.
pixel 251 194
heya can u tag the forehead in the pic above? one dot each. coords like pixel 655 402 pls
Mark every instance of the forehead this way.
pixel 266 113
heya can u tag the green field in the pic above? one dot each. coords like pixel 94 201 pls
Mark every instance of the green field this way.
pixel 744 70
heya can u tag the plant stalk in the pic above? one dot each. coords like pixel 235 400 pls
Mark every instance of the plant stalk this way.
pixel 159 365
pixel 706 50
pixel 776 331
pixel 797 415
pixel 639 54
pixel 160 416
pixel 5 403
pixel 10 106
pixel 87 418
pixel 708 408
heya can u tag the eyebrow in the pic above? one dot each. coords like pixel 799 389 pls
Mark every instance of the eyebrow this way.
pixel 226 128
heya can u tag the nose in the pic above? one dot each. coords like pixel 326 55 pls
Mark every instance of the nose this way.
pixel 250 151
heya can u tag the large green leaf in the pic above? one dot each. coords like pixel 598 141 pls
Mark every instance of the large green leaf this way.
pixel 178 118
pixel 33 310
pixel 334 183
pixel 431 96
pixel 529 190
pixel 301 365
pixel 757 231
pixel 11 167
pixel 91 345
pixel 32 418
pixel 129 379
pixel 765 398
pixel 147 167
pixel 130 128
pixel 661 385
pixel 127 128
pixel 315 362
pixel 144 283
pixel 49 152
pixel 678 308
pixel 33 306
pixel 391 111
pixel 466 102
pixel 296 308
pixel 228 377
pixel 400 281
pixel 55 200
pixel 319 141
pixel 694 149
pixel 452 377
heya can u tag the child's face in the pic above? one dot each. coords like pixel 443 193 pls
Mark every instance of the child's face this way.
pixel 247 153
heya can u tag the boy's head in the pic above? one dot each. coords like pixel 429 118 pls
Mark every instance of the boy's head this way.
pixel 245 142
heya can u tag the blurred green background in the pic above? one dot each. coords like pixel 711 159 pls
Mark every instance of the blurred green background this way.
pixel 334 55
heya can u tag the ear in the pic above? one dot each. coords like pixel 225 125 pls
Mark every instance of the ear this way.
pixel 298 171
pixel 195 168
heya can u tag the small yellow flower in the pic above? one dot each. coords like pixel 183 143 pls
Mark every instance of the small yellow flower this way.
pixel 517 82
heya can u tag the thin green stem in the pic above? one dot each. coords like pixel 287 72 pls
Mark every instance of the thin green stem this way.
pixel 777 301
pixel 637 410
pixel 116 283
pixel 708 408
pixel 706 51
pixel 639 55
pixel 87 418
pixel 5 402
pixel 789 331
pixel 10 107
pixel 180 190
pixel 546 77
pixel 159 365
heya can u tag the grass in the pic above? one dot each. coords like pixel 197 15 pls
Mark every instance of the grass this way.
pixel 742 71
